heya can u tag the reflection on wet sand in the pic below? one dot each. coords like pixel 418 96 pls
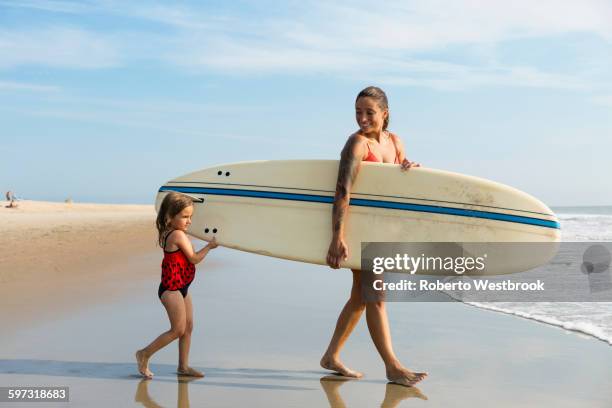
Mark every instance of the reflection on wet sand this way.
pixel 127 371
pixel 394 393
pixel 142 393
pixel 241 380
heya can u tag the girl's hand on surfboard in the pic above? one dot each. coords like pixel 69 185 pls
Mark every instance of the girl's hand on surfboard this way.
pixel 407 164
pixel 338 251
pixel 213 243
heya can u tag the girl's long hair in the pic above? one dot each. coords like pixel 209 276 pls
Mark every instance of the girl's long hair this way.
pixel 172 204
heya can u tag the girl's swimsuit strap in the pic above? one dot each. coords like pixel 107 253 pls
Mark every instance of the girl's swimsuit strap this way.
pixel 166 239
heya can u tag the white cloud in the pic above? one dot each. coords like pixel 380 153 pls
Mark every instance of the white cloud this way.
pixel 427 24
pixel 22 86
pixel 230 57
pixel 146 113
pixel 50 6
pixel 58 47
pixel 458 77
pixel 388 41
pixel 348 39
pixel 603 100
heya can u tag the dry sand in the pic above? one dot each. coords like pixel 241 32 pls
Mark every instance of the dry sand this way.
pixel 51 254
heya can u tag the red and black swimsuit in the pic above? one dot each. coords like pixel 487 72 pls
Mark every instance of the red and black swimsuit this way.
pixel 177 271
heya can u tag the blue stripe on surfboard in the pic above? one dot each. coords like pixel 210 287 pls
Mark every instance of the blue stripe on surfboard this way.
pixel 368 203
pixel 379 197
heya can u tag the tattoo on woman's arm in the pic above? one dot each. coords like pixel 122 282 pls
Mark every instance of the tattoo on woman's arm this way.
pixel 349 166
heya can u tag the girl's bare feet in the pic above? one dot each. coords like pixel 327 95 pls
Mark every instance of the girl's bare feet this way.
pixel 143 364
pixel 403 376
pixel 335 365
pixel 189 372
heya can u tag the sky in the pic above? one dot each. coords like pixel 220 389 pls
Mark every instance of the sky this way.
pixel 105 101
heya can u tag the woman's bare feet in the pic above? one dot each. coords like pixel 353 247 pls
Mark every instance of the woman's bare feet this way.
pixel 335 365
pixel 403 376
pixel 189 372
pixel 143 364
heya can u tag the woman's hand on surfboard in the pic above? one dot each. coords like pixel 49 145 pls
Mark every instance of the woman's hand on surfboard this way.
pixel 407 164
pixel 338 251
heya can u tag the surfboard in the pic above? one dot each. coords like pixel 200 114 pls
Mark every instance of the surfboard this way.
pixel 283 208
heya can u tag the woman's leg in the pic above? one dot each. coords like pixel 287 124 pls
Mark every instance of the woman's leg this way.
pixel 378 325
pixel 185 342
pixel 175 307
pixel 348 319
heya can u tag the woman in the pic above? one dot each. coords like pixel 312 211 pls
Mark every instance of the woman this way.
pixel 372 142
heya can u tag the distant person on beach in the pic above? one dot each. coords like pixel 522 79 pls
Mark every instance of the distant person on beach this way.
pixel 10 197
pixel 373 143
pixel 178 271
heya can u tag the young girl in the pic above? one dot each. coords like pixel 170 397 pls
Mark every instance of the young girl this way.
pixel 178 271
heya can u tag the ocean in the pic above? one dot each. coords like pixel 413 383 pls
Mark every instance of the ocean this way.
pixel 578 224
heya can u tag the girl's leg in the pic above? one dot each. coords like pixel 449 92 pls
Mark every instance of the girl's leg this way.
pixel 348 319
pixel 175 307
pixel 185 342
pixel 378 325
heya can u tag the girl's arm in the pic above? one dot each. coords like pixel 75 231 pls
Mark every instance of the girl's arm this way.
pixel 350 160
pixel 182 241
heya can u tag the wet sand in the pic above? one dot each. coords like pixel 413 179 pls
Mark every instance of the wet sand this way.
pixel 261 325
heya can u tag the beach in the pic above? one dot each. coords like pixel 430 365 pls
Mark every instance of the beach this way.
pixel 66 254
pixel 79 296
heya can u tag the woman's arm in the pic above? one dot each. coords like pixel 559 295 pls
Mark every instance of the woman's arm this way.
pixel 182 241
pixel 401 153
pixel 350 160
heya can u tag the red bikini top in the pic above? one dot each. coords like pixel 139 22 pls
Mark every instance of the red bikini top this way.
pixel 372 158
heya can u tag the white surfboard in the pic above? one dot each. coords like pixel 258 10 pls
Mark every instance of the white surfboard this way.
pixel 284 209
